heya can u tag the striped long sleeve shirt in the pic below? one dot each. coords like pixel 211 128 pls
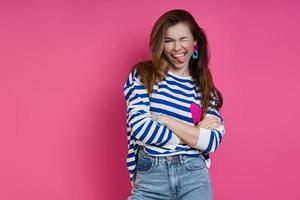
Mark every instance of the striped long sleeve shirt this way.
pixel 172 96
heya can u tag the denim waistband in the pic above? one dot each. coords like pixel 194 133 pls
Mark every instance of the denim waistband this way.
pixel 180 158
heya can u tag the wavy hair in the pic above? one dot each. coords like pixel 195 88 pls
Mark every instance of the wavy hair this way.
pixel 154 70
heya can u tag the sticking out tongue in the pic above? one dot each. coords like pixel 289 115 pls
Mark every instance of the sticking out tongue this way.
pixel 180 58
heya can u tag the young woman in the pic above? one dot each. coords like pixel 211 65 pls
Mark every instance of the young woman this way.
pixel 173 118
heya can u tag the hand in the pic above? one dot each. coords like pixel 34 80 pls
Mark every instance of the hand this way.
pixel 210 122
pixel 182 142
pixel 153 116
pixel 162 118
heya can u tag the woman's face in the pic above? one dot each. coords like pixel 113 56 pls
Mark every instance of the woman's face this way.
pixel 178 45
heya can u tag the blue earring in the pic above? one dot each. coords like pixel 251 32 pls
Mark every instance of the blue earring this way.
pixel 195 52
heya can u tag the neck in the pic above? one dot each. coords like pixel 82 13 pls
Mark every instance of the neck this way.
pixel 181 71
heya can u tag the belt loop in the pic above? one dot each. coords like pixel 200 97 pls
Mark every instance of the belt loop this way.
pixel 156 160
pixel 181 159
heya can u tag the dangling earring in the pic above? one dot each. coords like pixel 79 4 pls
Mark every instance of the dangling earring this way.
pixel 195 52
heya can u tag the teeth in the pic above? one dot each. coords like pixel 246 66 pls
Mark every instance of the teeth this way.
pixel 178 55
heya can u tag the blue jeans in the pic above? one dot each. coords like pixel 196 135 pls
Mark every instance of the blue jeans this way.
pixel 171 177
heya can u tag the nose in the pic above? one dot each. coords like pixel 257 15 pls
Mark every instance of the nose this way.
pixel 177 45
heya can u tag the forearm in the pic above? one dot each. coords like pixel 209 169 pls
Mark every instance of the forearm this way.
pixel 187 133
pixel 144 129
pixel 139 122
pixel 201 137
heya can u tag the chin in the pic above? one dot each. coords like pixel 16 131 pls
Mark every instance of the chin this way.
pixel 179 66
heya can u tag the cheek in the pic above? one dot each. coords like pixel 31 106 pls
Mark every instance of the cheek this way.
pixel 190 47
pixel 166 53
pixel 166 50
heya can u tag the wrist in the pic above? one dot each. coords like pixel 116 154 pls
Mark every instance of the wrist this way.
pixel 163 119
pixel 159 118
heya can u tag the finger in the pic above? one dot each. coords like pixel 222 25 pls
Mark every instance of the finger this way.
pixel 213 117
pixel 207 124
pixel 209 121
pixel 215 125
pixel 202 126
pixel 211 124
pixel 210 118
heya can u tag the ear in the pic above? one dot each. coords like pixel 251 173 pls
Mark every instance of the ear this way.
pixel 195 43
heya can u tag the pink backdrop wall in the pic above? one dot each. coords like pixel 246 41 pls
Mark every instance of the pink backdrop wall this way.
pixel 62 113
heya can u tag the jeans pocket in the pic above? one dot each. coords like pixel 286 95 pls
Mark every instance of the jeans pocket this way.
pixel 144 165
pixel 194 163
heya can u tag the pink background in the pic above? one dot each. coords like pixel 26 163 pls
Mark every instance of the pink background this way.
pixel 62 111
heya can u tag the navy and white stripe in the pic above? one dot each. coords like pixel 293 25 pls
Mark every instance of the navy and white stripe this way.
pixel 173 97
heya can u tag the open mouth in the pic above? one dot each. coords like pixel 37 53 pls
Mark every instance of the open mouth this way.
pixel 179 56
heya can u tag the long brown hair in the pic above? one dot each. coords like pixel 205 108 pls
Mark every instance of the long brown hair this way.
pixel 154 70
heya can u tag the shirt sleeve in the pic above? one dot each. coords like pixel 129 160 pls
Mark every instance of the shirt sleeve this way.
pixel 210 139
pixel 139 120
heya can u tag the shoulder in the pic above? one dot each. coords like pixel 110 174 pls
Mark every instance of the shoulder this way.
pixel 140 69
pixel 133 76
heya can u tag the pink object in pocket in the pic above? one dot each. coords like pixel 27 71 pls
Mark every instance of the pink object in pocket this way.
pixel 196 111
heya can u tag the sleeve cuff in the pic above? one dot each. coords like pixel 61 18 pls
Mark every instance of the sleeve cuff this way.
pixel 203 139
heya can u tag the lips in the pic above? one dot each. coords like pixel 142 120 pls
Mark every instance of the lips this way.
pixel 179 56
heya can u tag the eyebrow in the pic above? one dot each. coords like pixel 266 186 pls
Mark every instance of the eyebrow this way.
pixel 180 38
